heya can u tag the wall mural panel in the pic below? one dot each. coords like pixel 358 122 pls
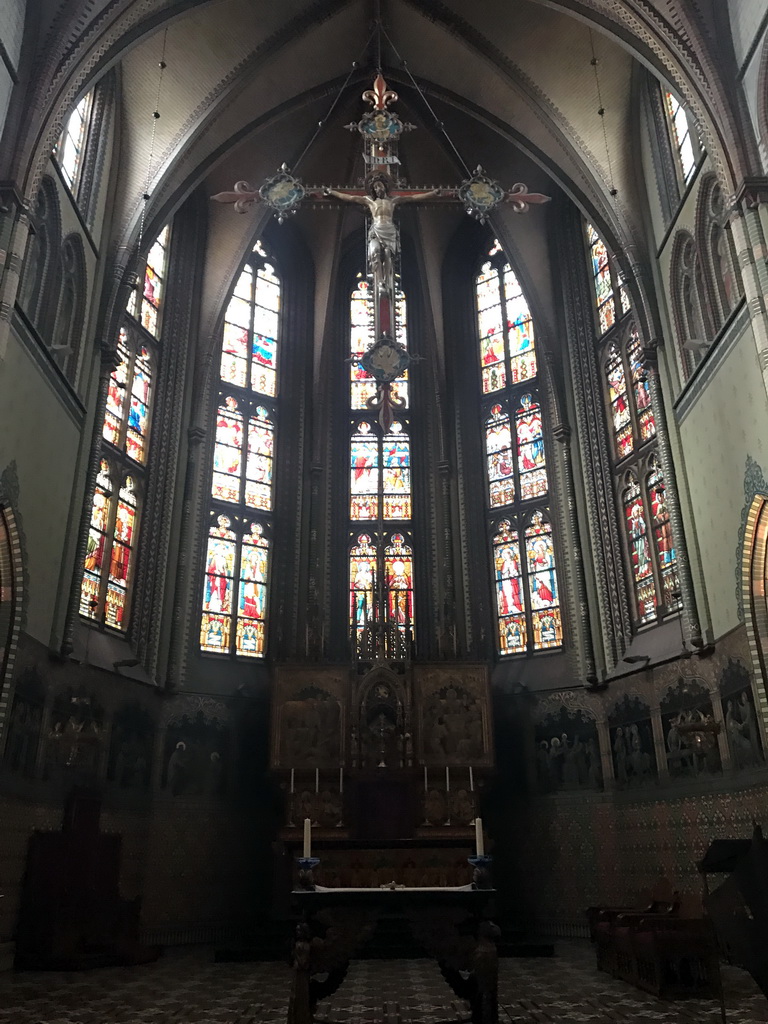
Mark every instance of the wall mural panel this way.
pixel 568 752
pixel 632 747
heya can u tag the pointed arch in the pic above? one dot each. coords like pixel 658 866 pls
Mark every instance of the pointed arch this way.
pixel 67 336
pixel 38 289
pixel 720 270
pixel 691 327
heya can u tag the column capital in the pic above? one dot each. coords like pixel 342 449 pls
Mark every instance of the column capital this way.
pixel 752 192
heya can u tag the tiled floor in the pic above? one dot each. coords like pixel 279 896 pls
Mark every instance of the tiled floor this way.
pixel 187 987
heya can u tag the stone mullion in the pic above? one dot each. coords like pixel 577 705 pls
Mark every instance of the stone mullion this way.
pixel 692 627
pixel 562 435
pixel 606 756
pixel 658 743
pixel 598 477
pixel 14 234
pixel 164 446
pixel 108 362
pixel 192 525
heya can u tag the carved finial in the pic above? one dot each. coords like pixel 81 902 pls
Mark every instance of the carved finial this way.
pixel 380 96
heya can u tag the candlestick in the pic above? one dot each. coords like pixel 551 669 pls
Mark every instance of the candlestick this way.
pixel 479 842
pixel 293 770
pixel 471 780
pixel 447 779
pixel 307 838
pixel 317 780
pixel 426 783
pixel 341 779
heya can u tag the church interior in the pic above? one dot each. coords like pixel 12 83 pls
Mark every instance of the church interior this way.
pixel 383 487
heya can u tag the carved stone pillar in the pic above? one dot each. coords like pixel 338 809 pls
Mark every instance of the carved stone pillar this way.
pixel 691 626
pixel 447 640
pixel 183 611
pixel 658 743
pixel 722 736
pixel 108 362
pixel 749 227
pixel 562 435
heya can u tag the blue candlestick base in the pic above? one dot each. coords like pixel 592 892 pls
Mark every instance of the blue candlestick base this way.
pixel 481 876
pixel 306 866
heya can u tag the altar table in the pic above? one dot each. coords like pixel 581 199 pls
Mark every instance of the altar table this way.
pixel 452 924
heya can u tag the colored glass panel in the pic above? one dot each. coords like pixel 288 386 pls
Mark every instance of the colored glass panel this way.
pixel 510 602
pixel 531 462
pixel 154 282
pixel 252 597
pixel 364 473
pixel 490 327
pixel 120 555
pixel 97 542
pixel 361 337
pixel 362 582
pixel 235 342
pixel 266 310
pixel 602 282
pixel 522 352
pixel 216 623
pixel 138 411
pixel 662 535
pixel 398 575
pixel 546 620
pixel 641 388
pixel 258 473
pixel 617 396
pixel 227 452
pixel 116 391
pixel 640 553
pixel 498 449
pixel 396 473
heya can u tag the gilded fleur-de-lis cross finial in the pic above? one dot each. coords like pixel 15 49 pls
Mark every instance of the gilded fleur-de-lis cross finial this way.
pixel 380 96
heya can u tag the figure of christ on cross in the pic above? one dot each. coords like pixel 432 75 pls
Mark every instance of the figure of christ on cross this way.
pixel 382 234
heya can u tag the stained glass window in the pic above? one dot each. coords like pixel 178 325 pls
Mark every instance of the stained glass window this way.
pixel 145 304
pixel 516 464
pixel 542 584
pixel 666 551
pixel 611 293
pixel 111 541
pixel 683 144
pixel 646 422
pixel 507 348
pixel 617 396
pixel 362 385
pixel 640 552
pixel 380 468
pixel 368 588
pixel 70 148
pixel 398 578
pixel 362 583
pixel 235 593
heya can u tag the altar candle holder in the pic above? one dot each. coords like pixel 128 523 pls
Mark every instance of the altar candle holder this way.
pixel 481 875
pixel 306 866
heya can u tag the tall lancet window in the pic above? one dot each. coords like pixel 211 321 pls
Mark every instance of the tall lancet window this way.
pixel 611 295
pixel 523 550
pixel 237 554
pixel 111 552
pixel 380 494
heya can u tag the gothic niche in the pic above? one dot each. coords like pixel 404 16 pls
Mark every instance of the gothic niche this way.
pixel 76 737
pixel 740 718
pixel 195 757
pixel 25 724
pixel 632 749
pixel 568 752
pixel 383 735
pixel 453 726
pixel 690 730
pixel 310 729
pixel 129 763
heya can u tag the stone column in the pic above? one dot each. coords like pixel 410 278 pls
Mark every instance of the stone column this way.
pixel 691 626
pixel 14 233
pixel 606 755
pixel 748 225
pixel 722 736
pixel 562 435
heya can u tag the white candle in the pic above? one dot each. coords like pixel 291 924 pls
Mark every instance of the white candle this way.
pixel 471 780
pixel 307 838
pixel 317 780
pixel 479 844
pixel 292 778
pixel 341 779
pixel 426 783
pixel 447 779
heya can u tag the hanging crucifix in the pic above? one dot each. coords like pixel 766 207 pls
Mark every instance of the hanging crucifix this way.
pixel 380 129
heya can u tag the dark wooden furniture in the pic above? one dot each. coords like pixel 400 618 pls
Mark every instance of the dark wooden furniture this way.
pixel 452 925
pixel 72 915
